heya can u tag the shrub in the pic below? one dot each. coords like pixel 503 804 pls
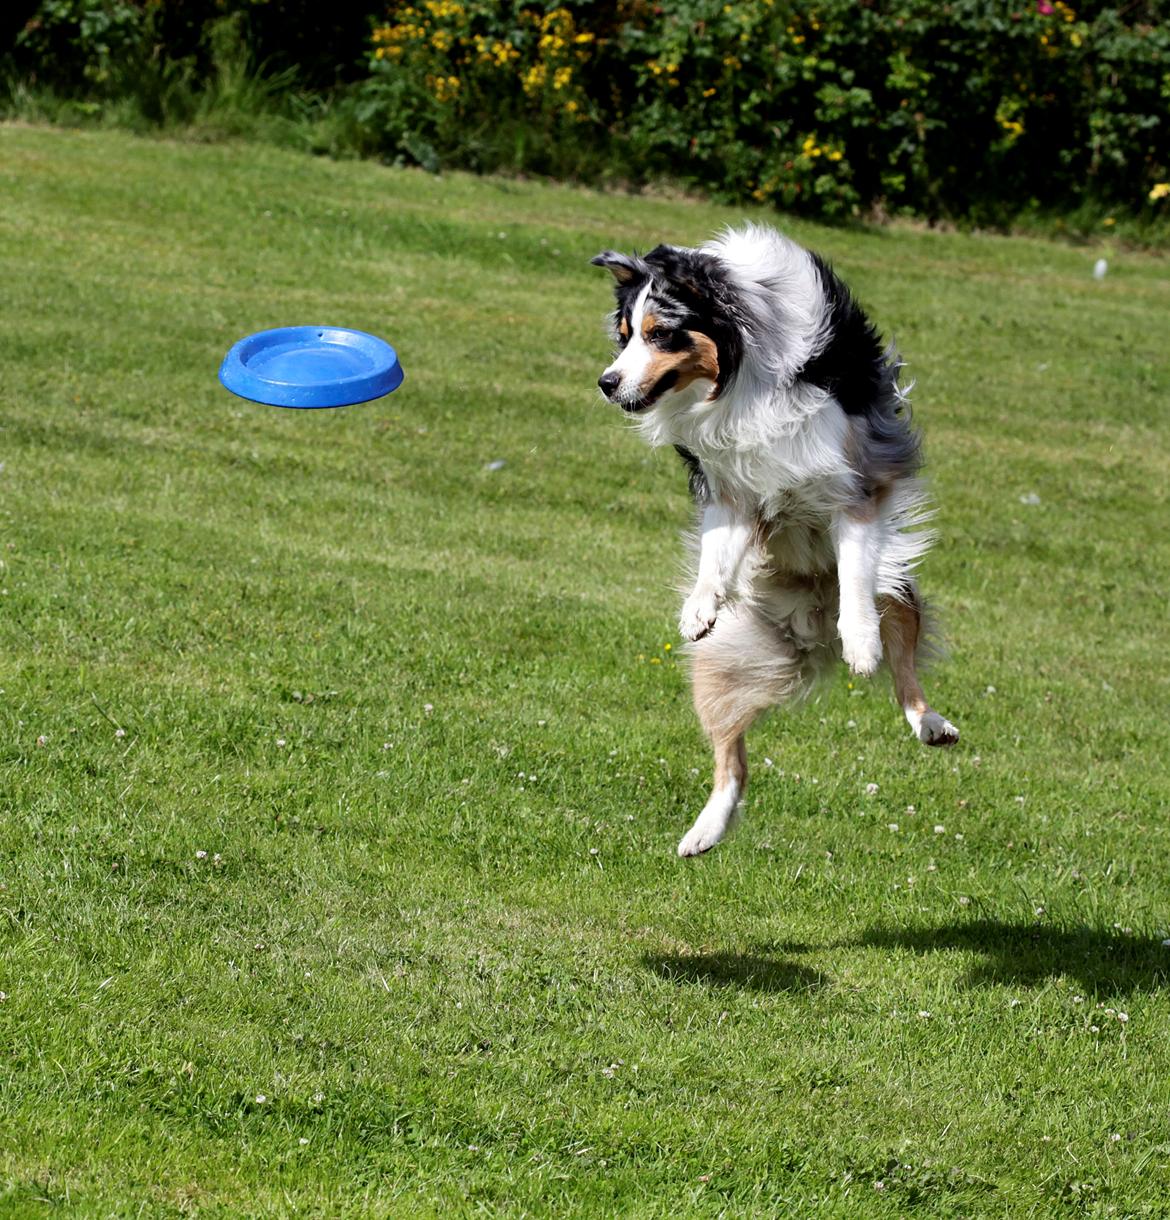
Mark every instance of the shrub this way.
pixel 967 108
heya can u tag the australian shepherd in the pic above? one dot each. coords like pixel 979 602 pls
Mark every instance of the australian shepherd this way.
pixel 753 359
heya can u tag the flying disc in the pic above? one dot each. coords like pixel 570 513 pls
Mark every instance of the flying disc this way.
pixel 311 366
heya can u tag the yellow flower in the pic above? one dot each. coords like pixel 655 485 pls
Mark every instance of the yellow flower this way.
pixel 708 92
pixel 1109 222
pixel 665 647
pixel 1160 191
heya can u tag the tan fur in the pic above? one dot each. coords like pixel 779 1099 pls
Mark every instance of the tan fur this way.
pixel 700 360
pixel 901 626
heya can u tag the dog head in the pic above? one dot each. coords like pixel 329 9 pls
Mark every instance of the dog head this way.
pixel 676 327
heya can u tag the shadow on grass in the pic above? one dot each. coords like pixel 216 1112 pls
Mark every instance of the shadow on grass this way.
pixel 1018 954
pixel 747 971
pixel 1030 953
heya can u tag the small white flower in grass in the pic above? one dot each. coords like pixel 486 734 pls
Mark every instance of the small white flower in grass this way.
pixel 119 732
pixel 1094 1029
pixel 1078 999
pixel 879 1185
pixel 1014 1003
pixel 3 996
pixel 1114 1138
pixel 923 1014
pixel 959 837
pixel 871 789
pixel 428 708
pixel 217 859
pixel 318 1098
pixel 940 830
pixel 1040 912
pixel 386 745
pixel 260 1099
pixel 768 762
pixel 991 690
pixel 302 1141
pixel 280 741
pixel 42 740
pixel 892 826
pixel 964 901
pixel 593 851
pixel 910 809
pixel 1123 1017
pixel 201 855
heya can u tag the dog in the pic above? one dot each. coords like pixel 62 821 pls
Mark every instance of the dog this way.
pixel 753 359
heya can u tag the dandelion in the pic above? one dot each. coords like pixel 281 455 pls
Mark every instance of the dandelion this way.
pixel 1159 191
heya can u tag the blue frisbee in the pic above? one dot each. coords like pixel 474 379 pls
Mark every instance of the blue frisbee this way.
pixel 311 366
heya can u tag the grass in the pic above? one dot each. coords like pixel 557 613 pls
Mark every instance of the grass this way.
pixel 340 776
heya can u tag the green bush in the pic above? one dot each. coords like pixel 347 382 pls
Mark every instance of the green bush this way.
pixel 966 109
pixel 970 109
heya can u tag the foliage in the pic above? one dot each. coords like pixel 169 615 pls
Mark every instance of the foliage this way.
pixel 956 109
pixel 967 109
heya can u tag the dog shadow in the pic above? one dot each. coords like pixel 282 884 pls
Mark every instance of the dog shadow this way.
pixel 749 972
pixel 1028 954
pixel 990 952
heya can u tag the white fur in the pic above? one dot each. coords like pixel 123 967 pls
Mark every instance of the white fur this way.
pixel 724 543
pixel 713 823
pixel 859 546
pixel 634 357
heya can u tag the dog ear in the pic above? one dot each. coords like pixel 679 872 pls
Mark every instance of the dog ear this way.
pixel 625 269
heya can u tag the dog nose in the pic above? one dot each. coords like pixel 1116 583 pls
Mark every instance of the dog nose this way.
pixel 609 382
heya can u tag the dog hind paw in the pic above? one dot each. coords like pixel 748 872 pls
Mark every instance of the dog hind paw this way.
pixel 936 730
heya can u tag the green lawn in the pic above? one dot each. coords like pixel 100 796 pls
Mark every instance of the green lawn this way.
pixel 340 775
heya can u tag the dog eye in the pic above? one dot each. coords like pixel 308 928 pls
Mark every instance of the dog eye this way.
pixel 661 334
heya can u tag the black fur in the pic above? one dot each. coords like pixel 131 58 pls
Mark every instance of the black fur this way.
pixel 696 477
pixel 862 375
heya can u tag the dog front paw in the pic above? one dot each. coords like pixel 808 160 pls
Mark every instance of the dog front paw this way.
pixel 861 645
pixel 699 613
